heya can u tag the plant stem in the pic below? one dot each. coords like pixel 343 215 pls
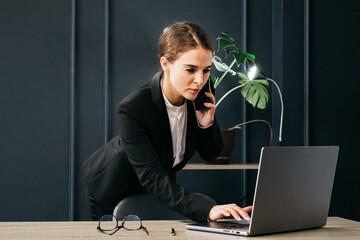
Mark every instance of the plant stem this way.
pixel 222 76
pixel 258 120
pixel 228 94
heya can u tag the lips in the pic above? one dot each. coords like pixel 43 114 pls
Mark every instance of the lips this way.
pixel 195 90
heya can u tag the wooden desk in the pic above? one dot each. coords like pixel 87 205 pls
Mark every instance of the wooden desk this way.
pixel 336 228
pixel 231 166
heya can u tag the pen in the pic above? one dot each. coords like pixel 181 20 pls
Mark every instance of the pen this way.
pixel 173 233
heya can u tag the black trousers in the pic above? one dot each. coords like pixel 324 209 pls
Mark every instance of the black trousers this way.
pixel 97 211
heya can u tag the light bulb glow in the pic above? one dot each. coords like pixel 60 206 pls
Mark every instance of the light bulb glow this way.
pixel 252 72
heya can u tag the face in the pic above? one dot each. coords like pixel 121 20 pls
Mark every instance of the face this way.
pixel 184 77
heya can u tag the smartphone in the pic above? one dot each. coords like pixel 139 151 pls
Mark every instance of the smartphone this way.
pixel 202 98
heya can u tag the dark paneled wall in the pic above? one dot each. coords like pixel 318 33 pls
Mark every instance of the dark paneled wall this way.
pixel 91 92
pixel 66 64
pixel 334 83
pixel 34 110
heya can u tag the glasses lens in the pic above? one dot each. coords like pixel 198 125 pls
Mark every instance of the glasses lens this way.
pixel 132 222
pixel 108 223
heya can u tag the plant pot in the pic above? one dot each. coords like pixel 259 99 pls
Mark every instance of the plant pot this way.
pixel 228 137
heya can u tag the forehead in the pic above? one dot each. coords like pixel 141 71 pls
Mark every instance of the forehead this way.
pixel 197 56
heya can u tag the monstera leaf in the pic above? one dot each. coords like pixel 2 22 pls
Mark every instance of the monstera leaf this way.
pixel 255 92
pixel 228 44
pixel 212 78
pixel 221 66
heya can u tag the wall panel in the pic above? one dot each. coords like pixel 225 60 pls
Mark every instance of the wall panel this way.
pixel 334 82
pixel 34 103
pixel 90 92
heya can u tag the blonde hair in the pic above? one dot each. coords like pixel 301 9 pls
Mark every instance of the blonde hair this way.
pixel 181 37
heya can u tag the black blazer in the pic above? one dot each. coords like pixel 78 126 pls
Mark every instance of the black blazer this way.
pixel 140 159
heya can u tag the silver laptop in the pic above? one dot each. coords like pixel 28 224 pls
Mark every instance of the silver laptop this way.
pixel 293 192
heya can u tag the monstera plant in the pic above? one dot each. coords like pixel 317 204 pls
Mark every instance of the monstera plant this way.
pixel 253 90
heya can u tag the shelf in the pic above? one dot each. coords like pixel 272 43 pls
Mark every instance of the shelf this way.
pixel 235 166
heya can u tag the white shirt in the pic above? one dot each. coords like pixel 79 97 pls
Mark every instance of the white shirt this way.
pixel 178 122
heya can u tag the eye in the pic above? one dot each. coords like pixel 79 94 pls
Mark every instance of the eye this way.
pixel 206 70
pixel 190 70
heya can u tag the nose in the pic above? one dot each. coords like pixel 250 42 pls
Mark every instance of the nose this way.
pixel 199 78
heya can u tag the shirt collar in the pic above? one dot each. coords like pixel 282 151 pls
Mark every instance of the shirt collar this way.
pixel 170 106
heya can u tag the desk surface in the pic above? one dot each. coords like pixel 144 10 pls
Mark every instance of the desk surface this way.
pixel 336 228
pixel 231 166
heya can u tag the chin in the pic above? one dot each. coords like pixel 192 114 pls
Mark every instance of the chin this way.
pixel 190 97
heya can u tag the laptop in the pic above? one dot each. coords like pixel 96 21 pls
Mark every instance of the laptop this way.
pixel 293 191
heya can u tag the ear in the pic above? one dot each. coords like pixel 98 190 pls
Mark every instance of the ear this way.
pixel 164 63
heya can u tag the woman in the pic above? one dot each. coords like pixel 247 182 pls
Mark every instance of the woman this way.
pixel 160 131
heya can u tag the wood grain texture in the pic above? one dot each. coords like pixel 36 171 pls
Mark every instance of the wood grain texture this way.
pixel 200 166
pixel 336 228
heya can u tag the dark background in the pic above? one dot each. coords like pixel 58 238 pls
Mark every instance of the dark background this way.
pixel 64 65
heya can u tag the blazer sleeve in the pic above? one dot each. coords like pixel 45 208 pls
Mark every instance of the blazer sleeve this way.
pixel 210 142
pixel 153 177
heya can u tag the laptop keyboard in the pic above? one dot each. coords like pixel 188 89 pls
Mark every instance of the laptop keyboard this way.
pixel 230 225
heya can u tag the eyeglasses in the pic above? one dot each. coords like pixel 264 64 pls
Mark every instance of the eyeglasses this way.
pixel 109 224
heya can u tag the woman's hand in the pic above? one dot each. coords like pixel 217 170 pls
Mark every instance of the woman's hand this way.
pixel 221 211
pixel 206 117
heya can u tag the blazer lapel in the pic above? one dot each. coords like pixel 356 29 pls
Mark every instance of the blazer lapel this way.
pixel 161 112
pixel 190 132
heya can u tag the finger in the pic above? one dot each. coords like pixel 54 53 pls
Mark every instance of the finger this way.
pixel 211 96
pixel 225 213
pixel 244 215
pixel 209 105
pixel 248 209
pixel 234 213
pixel 240 211
pixel 209 84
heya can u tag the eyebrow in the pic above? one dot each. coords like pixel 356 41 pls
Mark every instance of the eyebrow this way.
pixel 190 65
